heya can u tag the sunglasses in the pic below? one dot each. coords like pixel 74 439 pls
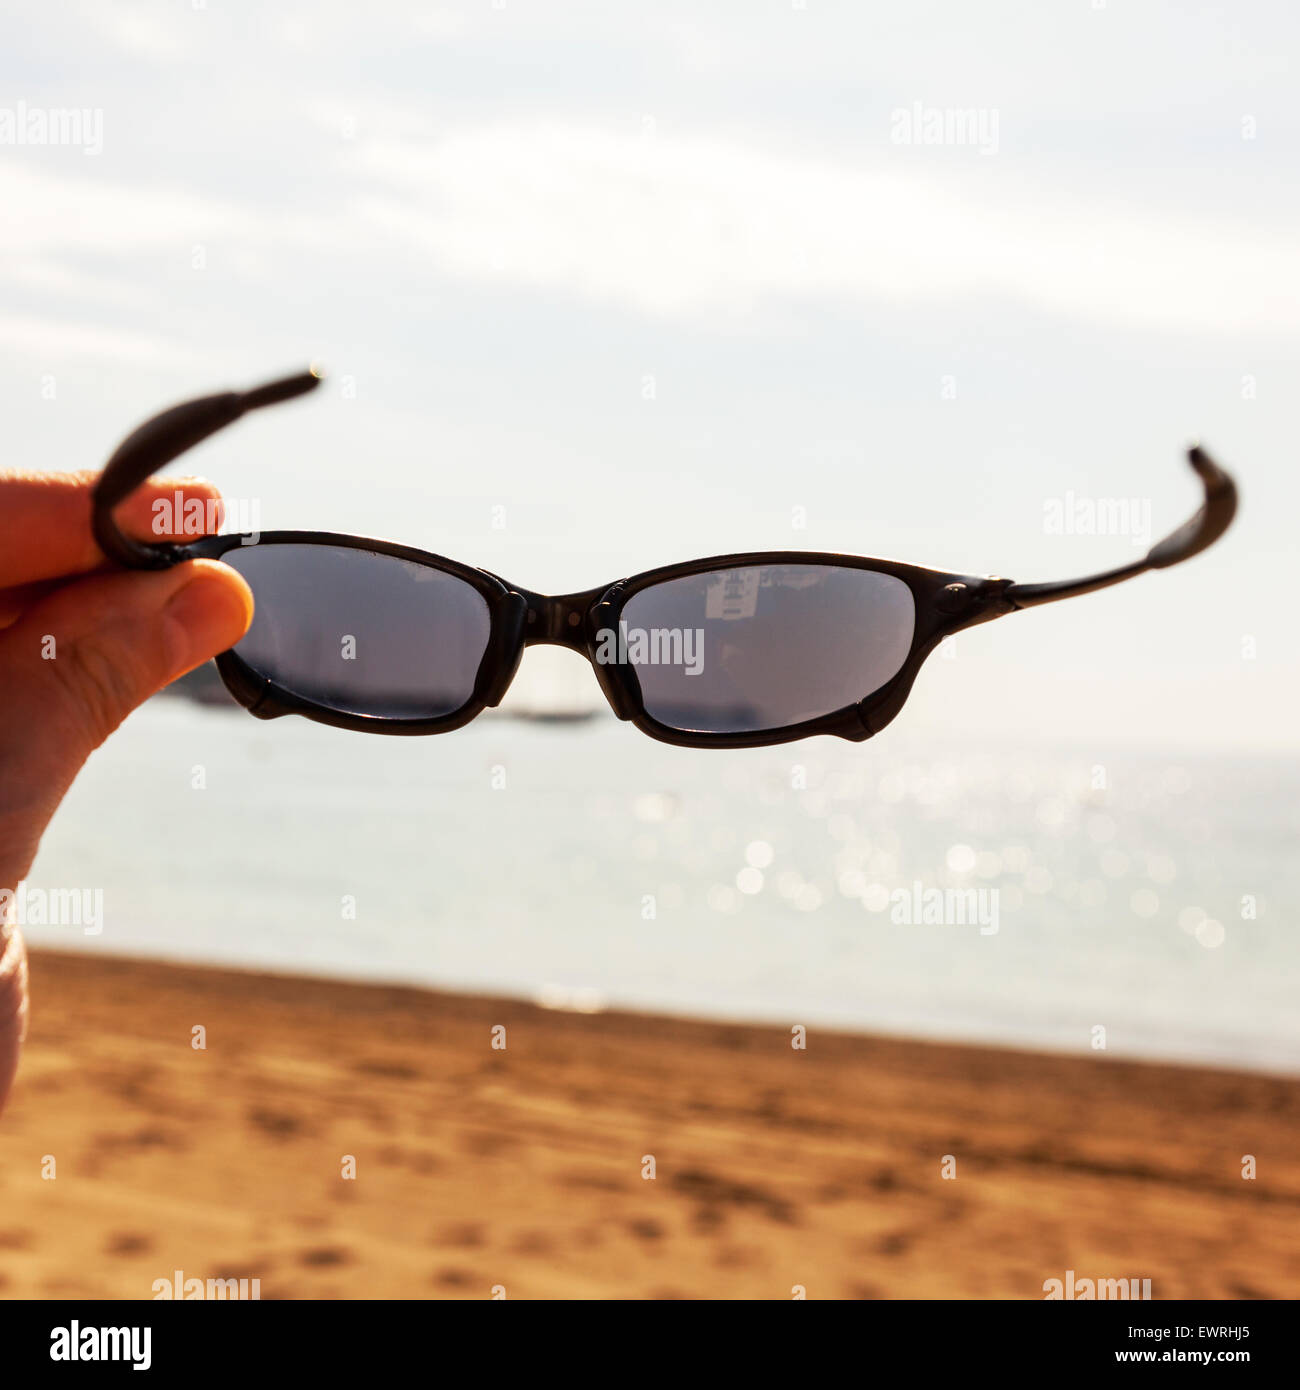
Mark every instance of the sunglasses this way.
pixel 734 651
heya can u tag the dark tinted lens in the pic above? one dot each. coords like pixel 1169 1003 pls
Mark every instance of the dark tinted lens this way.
pixel 744 650
pixel 361 632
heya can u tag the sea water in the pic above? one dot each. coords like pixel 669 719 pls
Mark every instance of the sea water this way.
pixel 1145 902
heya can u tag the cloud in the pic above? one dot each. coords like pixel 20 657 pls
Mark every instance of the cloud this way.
pixel 142 32
pixel 51 211
pixel 701 230
pixel 692 227
pixel 45 339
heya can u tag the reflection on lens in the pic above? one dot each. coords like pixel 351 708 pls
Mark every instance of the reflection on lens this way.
pixel 769 645
pixel 361 632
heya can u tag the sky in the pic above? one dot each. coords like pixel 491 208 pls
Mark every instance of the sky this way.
pixel 602 287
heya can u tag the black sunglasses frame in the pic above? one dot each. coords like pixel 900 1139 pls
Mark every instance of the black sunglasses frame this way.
pixel 946 603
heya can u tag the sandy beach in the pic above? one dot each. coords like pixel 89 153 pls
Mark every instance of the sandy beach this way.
pixel 522 1168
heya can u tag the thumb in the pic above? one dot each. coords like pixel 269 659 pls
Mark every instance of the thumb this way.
pixel 77 663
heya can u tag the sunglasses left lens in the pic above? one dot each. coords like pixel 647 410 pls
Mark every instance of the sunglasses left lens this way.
pixel 763 647
pixel 361 632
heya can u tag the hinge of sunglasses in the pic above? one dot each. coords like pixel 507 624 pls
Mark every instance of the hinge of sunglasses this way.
pixel 975 600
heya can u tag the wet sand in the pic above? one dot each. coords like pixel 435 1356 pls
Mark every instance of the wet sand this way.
pixel 522 1169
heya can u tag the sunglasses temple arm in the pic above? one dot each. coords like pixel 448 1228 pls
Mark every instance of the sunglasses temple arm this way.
pixel 1209 523
pixel 156 443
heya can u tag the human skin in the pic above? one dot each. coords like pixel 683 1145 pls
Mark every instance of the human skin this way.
pixel 81 645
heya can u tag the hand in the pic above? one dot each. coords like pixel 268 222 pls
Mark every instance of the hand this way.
pixel 81 645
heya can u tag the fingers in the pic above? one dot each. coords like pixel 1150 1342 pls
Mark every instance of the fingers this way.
pixel 13 1004
pixel 16 601
pixel 80 660
pixel 45 528
pixel 78 654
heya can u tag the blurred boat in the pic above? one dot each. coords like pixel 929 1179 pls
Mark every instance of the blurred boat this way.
pixel 203 685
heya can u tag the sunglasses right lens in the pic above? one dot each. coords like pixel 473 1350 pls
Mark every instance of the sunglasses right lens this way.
pixel 361 632
pixel 755 649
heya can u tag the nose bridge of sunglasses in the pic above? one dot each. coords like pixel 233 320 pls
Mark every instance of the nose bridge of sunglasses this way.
pixel 571 620
pixel 559 620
